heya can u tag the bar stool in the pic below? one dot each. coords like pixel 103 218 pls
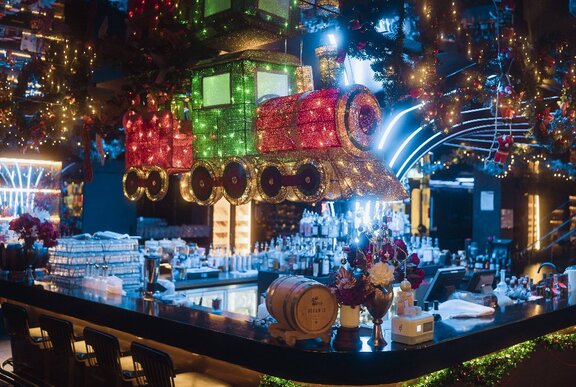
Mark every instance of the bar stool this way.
pixel 107 357
pixel 27 344
pixel 157 370
pixel 66 350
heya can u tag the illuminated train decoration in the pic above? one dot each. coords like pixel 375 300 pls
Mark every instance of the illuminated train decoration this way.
pixel 254 138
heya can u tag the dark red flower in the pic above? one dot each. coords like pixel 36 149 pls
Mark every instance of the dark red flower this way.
pixel 387 252
pixel 401 249
pixel 414 260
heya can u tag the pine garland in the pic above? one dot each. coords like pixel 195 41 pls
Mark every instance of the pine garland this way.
pixel 272 381
pixel 487 370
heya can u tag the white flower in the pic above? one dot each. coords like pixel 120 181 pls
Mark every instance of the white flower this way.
pixel 381 274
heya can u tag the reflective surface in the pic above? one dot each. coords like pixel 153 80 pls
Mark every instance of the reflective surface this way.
pixel 231 337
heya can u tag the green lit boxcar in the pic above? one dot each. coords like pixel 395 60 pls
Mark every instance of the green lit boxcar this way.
pixel 234 25
pixel 225 93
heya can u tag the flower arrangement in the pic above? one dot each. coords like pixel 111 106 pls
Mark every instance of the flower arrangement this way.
pixel 30 228
pixel 376 261
pixel 350 287
pixel 384 260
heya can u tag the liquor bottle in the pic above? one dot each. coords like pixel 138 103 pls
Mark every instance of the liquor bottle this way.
pixel 327 263
pixel 315 226
pixel 492 264
pixel 324 226
pixel 436 251
pixel 316 262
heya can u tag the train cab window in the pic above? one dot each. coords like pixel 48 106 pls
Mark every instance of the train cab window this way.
pixel 216 90
pixel 212 7
pixel 269 85
pixel 280 8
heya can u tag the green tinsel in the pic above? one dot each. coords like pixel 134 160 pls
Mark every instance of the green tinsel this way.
pixel 272 381
pixel 558 341
pixel 489 370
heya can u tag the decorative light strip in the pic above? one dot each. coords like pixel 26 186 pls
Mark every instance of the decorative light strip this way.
pixel 399 173
pixel 55 38
pixel 31 161
pixel 474 128
pixel 408 139
pixel 453 135
pixel 394 121
pixel 30 190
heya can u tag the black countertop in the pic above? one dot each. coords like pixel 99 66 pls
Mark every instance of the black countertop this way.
pixel 241 342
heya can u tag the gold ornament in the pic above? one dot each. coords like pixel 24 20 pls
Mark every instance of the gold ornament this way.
pixel 304 79
pixel 235 181
pixel 163 184
pixel 352 133
pixel 269 168
pixel 331 71
pixel 139 190
pixel 204 173
pixel 309 169
pixel 185 187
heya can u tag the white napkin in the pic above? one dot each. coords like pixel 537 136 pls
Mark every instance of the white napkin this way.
pixel 110 235
pixel 463 309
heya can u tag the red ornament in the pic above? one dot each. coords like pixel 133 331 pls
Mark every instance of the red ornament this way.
pixel 355 25
pixel 416 92
pixel 505 143
pixel 360 45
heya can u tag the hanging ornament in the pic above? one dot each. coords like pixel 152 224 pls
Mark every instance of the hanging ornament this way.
pixel 505 143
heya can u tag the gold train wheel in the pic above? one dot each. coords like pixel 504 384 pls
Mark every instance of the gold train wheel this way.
pixel 312 180
pixel 202 187
pixel 156 183
pixel 132 183
pixel 269 182
pixel 238 181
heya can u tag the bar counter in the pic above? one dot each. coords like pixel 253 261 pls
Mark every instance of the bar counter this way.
pixel 238 341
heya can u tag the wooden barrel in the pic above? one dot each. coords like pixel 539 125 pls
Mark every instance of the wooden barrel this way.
pixel 301 304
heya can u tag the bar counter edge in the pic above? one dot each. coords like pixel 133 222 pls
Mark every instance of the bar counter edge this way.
pixel 248 345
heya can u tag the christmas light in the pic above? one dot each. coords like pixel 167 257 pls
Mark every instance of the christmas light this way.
pixel 243 26
pixel 332 118
pixel 226 130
